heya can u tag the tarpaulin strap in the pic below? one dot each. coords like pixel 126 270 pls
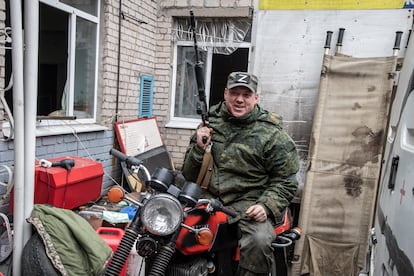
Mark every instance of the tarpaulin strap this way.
pixel 206 169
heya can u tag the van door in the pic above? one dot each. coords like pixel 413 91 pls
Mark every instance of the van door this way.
pixel 394 252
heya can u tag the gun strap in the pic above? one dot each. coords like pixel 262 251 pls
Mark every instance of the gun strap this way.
pixel 206 169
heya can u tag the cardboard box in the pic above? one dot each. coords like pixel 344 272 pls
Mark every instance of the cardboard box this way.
pixel 67 189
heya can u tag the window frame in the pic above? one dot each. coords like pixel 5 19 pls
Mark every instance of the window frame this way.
pixel 73 14
pixel 191 123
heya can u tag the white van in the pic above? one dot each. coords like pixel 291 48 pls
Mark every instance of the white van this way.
pixel 392 239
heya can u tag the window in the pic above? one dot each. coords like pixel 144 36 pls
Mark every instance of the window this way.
pixel 186 86
pixel 68 47
pixel 223 46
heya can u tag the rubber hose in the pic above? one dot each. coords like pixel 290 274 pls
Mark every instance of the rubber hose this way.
pixel 122 253
pixel 161 261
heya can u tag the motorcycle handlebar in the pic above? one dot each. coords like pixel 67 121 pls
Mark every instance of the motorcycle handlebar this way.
pixel 229 212
pixel 130 160
pixel 217 205
pixel 123 157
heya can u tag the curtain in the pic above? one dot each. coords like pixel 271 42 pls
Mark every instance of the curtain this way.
pixel 220 33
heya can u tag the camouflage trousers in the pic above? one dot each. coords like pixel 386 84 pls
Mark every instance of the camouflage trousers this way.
pixel 256 252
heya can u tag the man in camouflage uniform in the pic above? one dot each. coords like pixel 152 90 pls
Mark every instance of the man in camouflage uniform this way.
pixel 254 171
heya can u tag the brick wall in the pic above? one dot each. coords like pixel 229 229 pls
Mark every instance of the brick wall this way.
pixel 137 48
pixel 94 145
pixel 146 48
pixel 177 139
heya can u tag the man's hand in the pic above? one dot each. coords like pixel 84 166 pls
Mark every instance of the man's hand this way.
pixel 257 212
pixel 203 132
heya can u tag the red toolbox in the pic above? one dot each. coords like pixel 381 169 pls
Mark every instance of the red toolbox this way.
pixel 67 189
pixel 112 236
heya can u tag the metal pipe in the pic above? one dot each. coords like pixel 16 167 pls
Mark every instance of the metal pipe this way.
pixel 119 60
pixel 31 38
pixel 18 112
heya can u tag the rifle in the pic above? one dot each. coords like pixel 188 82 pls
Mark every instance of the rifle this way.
pixel 202 103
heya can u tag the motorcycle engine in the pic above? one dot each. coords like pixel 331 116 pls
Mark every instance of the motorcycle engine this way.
pixel 195 267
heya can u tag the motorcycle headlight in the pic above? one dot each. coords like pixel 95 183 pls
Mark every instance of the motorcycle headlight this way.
pixel 162 214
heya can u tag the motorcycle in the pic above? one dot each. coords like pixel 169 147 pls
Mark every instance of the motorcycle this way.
pixel 178 233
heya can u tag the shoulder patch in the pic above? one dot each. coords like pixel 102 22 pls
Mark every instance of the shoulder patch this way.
pixel 275 119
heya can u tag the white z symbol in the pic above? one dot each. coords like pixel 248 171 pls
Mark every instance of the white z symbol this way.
pixel 242 78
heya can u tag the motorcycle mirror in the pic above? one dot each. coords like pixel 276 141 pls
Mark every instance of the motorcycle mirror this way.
pixel 115 194
pixel 204 236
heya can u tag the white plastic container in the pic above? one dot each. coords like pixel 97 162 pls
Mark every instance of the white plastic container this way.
pixel 136 264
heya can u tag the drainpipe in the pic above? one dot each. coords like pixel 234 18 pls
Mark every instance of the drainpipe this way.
pixel 119 60
pixel 31 27
pixel 18 112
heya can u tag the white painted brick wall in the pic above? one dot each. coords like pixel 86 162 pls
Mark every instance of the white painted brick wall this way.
pixel 145 49
pixel 137 55
pixel 177 139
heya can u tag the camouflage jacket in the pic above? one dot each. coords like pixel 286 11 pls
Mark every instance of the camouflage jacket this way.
pixel 255 160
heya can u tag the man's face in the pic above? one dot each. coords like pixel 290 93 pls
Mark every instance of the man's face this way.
pixel 240 100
